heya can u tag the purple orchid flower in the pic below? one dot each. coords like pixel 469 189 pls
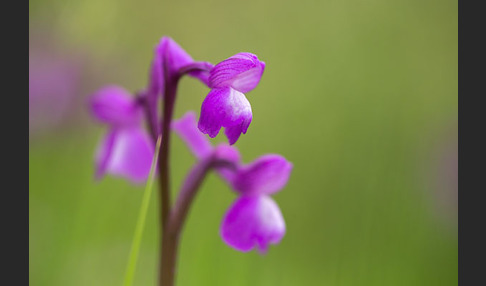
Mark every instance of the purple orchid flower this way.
pixel 254 219
pixel 168 59
pixel 126 150
pixel 226 105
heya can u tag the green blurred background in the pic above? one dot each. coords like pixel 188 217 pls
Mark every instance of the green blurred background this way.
pixel 360 95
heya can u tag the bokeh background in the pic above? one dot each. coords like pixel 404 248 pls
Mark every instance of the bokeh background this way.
pixel 360 95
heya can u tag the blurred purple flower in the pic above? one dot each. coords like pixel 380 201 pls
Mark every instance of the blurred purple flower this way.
pixel 126 150
pixel 226 105
pixel 446 178
pixel 254 219
pixel 53 84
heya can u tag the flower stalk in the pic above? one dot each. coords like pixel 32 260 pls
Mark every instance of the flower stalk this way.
pixel 169 241
pixel 178 215
pixel 168 107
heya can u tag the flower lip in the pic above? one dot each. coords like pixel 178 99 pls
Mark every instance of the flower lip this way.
pixel 225 107
pixel 103 154
pixel 253 221
pixel 125 152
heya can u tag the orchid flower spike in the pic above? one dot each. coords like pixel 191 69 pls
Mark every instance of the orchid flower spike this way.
pixel 254 220
pixel 126 150
pixel 226 105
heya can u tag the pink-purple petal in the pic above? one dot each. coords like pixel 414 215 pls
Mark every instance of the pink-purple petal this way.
pixel 186 128
pixel 266 175
pixel 225 107
pixel 173 57
pixel 125 152
pixel 242 72
pixel 115 106
pixel 253 221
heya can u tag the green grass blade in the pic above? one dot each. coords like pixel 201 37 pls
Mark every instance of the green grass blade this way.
pixel 137 238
